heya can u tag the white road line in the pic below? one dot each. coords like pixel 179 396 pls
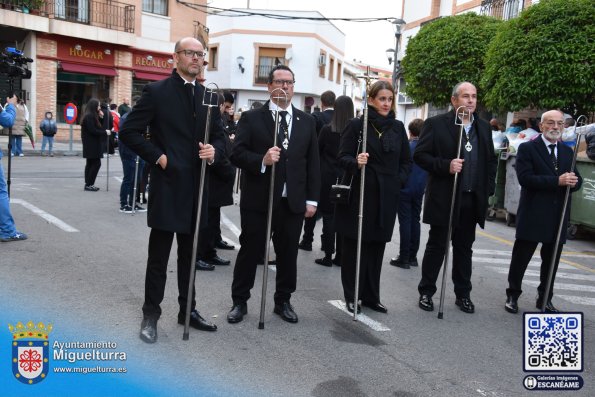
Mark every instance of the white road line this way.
pixel 564 286
pixel 579 300
pixel 119 179
pixel 230 225
pixel 48 217
pixel 375 325
pixel 534 273
pixel 508 253
pixel 497 261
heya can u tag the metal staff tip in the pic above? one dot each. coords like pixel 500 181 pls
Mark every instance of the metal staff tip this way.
pixel 211 97
pixel 279 94
pixel 462 113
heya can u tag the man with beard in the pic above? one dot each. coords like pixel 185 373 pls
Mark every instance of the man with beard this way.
pixel 543 168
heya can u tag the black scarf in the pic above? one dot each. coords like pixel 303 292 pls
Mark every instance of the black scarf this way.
pixel 384 124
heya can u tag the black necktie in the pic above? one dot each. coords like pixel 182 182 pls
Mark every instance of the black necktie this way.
pixel 190 90
pixel 553 155
pixel 284 130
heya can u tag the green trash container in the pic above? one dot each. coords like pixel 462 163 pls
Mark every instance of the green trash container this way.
pixel 496 202
pixel 582 209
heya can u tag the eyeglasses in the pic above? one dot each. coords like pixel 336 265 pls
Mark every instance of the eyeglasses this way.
pixel 282 82
pixel 551 123
pixel 192 54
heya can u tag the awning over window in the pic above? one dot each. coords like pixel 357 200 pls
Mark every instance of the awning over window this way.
pixel 88 69
pixel 150 76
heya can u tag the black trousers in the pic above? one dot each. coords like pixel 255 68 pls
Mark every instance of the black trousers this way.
pixel 463 237
pixel 370 267
pixel 328 233
pixel 91 170
pixel 522 252
pixel 309 225
pixel 286 227
pixel 159 248
pixel 211 234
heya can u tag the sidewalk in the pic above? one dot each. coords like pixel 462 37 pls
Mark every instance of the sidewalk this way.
pixel 60 148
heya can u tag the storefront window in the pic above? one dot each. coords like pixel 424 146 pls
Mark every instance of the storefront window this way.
pixel 79 88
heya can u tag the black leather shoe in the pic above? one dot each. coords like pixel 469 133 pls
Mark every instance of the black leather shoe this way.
pixel 549 307
pixel 237 313
pixel 376 306
pixel 196 321
pixel 217 260
pixel 328 262
pixel 350 305
pixel 511 305
pixel 224 245
pixel 304 245
pixel 202 265
pixel 285 310
pixel 337 261
pixel 413 262
pixel 465 305
pixel 148 330
pixel 398 262
pixel 425 303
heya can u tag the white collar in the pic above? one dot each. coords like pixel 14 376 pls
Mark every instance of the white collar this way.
pixel 273 107
pixel 193 82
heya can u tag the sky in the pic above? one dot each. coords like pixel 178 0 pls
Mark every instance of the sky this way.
pixel 364 41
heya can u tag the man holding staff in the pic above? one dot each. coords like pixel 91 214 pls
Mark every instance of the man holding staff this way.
pixel 296 191
pixel 436 153
pixel 543 168
pixel 176 149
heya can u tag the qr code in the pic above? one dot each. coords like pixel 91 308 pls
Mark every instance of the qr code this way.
pixel 553 342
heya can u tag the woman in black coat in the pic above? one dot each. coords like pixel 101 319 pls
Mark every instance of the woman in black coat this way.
pixel 388 163
pixel 330 171
pixel 93 134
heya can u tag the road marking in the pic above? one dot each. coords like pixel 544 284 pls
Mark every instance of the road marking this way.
pixel 579 300
pixel 119 179
pixel 565 286
pixel 509 253
pixel 230 225
pixel 533 273
pixel 375 325
pixel 507 262
pixel 48 217
pixel 508 242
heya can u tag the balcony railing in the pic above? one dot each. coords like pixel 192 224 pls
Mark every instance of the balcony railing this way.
pixel 261 72
pixel 502 9
pixel 107 14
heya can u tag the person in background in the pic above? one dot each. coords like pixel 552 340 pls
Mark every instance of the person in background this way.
pixel 8 231
pixel 48 128
pixel 410 201
pixel 93 134
pixel 329 138
pixel 388 163
pixel 18 128
pixel 124 107
pixel 327 99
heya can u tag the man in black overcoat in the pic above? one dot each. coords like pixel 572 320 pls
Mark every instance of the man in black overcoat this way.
pixel 436 153
pixel 295 194
pixel 327 100
pixel 543 168
pixel 172 108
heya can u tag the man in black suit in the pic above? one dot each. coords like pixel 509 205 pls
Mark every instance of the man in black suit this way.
pixel 172 108
pixel 436 153
pixel 543 168
pixel 295 195
pixel 327 99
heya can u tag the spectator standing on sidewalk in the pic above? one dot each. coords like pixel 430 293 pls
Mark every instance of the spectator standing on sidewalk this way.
pixel 48 128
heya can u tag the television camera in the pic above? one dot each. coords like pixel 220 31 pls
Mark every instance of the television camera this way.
pixel 14 63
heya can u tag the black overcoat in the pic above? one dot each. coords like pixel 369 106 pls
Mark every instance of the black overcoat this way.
pixel 386 174
pixel 541 202
pixel 222 175
pixel 436 148
pixel 175 130
pixel 300 164
pixel 93 136
pixel 330 170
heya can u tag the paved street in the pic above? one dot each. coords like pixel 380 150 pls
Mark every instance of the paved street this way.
pixel 82 269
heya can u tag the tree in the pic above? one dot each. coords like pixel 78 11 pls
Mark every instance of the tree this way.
pixel 543 59
pixel 445 52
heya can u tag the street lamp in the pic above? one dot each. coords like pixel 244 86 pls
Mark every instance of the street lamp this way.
pixel 393 55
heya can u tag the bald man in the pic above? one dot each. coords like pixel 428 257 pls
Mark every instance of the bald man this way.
pixel 543 168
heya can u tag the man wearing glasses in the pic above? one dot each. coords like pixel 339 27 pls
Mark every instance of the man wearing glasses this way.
pixel 295 195
pixel 543 168
pixel 172 108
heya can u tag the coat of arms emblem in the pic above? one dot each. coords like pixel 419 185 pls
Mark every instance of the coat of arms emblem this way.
pixel 30 351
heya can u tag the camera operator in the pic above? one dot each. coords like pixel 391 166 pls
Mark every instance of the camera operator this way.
pixel 8 232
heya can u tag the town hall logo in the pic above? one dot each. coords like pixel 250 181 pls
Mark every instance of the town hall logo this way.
pixel 30 351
